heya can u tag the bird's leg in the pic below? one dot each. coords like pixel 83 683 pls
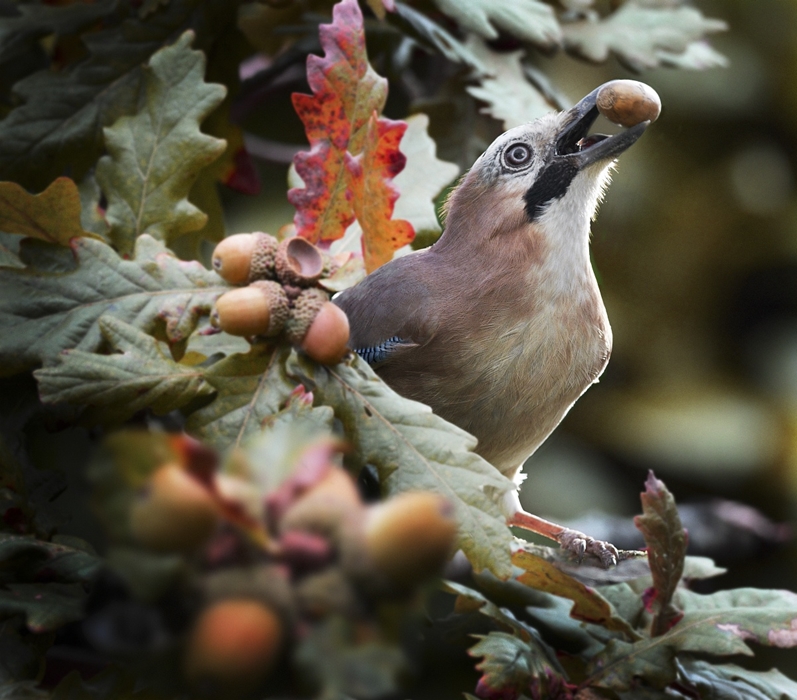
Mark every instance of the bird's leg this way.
pixel 571 540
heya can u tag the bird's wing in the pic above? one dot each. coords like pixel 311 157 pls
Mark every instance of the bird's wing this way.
pixel 391 311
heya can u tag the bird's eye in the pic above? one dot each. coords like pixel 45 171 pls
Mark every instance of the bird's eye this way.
pixel 517 155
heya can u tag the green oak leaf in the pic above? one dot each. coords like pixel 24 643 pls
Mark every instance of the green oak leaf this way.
pixel 45 313
pixel 588 604
pixel 509 665
pixel 140 376
pixel 414 449
pixel 530 20
pixel 719 624
pixel 65 559
pixel 509 96
pixel 52 215
pixel 46 606
pixel 251 388
pixel 641 37
pixel 156 154
pixel 731 682
pixel 36 21
pixel 434 37
pixel 60 115
pixel 422 179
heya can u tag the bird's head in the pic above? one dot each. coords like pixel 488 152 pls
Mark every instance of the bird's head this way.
pixel 546 177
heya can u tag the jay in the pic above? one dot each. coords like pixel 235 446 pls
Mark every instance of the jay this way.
pixel 500 326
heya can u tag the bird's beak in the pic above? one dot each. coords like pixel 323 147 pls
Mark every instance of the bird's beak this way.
pixel 575 145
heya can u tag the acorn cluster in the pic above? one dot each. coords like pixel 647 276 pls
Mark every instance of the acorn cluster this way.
pixel 273 566
pixel 282 296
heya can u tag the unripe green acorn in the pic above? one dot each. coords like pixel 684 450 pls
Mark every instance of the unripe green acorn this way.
pixel 233 645
pixel 298 262
pixel 628 102
pixel 175 513
pixel 409 537
pixel 245 257
pixel 259 309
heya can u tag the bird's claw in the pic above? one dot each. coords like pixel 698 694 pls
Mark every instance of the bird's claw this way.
pixel 583 545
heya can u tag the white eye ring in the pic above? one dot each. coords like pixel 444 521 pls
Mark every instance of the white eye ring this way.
pixel 517 155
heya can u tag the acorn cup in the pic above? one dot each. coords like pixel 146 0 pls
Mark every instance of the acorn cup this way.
pixel 259 309
pixel 318 327
pixel 175 512
pixel 298 262
pixel 245 257
pixel 233 646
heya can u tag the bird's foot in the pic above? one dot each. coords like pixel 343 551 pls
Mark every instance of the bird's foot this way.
pixel 573 541
pixel 583 545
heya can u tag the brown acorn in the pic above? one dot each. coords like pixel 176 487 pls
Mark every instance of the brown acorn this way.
pixel 298 262
pixel 245 257
pixel 259 309
pixel 319 327
pixel 175 513
pixel 409 537
pixel 328 336
pixel 233 645
pixel 628 102
pixel 325 508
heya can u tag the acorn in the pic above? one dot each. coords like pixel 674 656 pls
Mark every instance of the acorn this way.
pixel 628 102
pixel 259 309
pixel 233 645
pixel 319 327
pixel 245 257
pixel 326 506
pixel 410 537
pixel 175 513
pixel 298 262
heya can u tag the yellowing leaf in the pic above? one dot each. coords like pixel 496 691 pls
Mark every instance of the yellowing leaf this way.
pixel 156 155
pixel 354 153
pixel 375 195
pixel 52 215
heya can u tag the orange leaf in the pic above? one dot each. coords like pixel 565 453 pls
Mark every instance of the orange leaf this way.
pixel 341 119
pixel 374 193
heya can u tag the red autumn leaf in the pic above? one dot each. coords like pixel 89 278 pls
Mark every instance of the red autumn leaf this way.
pixel 375 195
pixel 341 119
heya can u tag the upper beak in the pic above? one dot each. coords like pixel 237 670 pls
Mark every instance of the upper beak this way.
pixel 574 145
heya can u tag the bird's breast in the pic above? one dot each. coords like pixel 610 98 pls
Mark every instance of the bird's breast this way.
pixel 518 374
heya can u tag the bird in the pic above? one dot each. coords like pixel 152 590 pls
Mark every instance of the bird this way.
pixel 499 326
